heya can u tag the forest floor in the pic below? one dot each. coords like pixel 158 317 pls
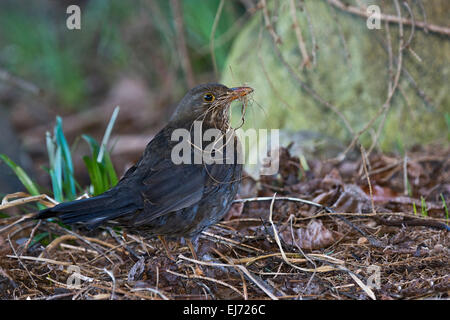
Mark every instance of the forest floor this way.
pixel 379 237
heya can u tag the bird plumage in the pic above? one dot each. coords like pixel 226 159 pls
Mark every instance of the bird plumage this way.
pixel 157 196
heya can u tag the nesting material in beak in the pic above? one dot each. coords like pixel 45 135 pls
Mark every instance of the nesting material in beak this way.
pixel 240 92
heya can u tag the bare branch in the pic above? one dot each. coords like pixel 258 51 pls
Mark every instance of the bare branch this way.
pixel 298 33
pixel 390 18
pixel 181 43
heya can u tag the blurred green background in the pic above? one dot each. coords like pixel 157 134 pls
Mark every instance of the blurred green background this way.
pixel 126 53
pixel 144 55
pixel 116 36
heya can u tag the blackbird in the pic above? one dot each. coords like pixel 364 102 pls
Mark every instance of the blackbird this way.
pixel 158 197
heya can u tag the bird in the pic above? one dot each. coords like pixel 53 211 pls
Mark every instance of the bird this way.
pixel 160 197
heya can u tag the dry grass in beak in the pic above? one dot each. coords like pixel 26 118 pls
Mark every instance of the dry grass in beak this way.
pixel 240 92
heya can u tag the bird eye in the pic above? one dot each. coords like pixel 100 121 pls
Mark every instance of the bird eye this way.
pixel 208 97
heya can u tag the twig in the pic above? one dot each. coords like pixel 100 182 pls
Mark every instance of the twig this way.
pixel 61 295
pixel 85 240
pixel 181 43
pixel 230 261
pixel 153 290
pixel 40 198
pixel 311 31
pixel 122 243
pixel 411 36
pixel 111 274
pixel 244 270
pixel 277 240
pixel 291 218
pixel 405 175
pixel 386 106
pixel 18 82
pixel 276 38
pixel 422 8
pixel 21 262
pixel 329 210
pixel 409 77
pixel 51 261
pixel 30 238
pixel 366 172
pixel 293 257
pixel 242 246
pixel 390 18
pixel 294 75
pixel 413 222
pixel 366 289
pixel 298 34
pixel 81 249
pixel 194 276
pixel 22 219
pixel 369 237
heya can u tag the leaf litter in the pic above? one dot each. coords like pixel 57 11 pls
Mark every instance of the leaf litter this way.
pixel 389 241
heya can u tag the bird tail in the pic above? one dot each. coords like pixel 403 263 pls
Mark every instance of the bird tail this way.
pixel 92 211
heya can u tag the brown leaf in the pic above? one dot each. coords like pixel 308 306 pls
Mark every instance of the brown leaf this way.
pixel 235 211
pixel 314 236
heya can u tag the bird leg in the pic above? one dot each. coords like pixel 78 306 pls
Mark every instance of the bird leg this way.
pixel 166 247
pixel 198 269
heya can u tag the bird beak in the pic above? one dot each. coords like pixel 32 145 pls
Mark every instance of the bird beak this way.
pixel 239 92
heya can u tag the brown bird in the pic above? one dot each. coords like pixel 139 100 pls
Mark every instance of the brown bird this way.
pixel 157 197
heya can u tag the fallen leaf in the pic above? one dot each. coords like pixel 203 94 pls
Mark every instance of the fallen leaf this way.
pixel 314 236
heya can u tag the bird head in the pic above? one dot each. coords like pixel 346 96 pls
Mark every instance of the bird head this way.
pixel 209 103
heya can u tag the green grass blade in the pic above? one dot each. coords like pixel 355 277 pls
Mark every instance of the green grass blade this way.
pixel 107 134
pixel 106 171
pixel 39 237
pixel 68 166
pixel 50 148
pixel 423 207
pixel 105 180
pixel 23 177
pixel 94 175
pixel 57 169
pixel 111 172
pixel 56 190
pixel 93 144
pixel 444 203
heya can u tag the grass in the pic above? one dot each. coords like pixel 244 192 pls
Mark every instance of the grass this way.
pixel 21 174
pixel 38 46
pixel 444 204
pixel 423 206
pixel 64 186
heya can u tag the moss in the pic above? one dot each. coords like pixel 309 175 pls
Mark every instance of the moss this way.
pixel 350 73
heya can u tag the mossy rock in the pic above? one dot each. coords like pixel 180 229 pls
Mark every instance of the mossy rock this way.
pixel 351 71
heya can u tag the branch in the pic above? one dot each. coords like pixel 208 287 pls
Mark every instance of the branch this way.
pixel 276 40
pixel 390 18
pixel 181 43
pixel 298 33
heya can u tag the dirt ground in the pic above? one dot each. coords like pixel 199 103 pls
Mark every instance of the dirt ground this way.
pixel 379 237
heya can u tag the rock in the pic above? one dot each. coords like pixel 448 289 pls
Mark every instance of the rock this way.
pixel 351 71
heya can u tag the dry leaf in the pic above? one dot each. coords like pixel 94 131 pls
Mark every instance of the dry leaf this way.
pixel 314 236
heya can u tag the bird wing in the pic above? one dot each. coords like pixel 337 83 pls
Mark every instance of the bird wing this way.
pixel 164 186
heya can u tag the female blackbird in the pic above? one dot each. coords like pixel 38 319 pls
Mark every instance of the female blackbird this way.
pixel 159 197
